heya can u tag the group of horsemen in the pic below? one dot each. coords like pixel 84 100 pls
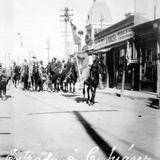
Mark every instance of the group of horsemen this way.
pixel 32 75
pixel 56 75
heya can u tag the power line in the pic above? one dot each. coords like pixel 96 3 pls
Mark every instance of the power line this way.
pixel 66 18
pixel 48 50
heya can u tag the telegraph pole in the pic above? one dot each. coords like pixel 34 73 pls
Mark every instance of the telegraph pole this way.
pixel 101 20
pixel 48 50
pixel 66 18
pixel 21 39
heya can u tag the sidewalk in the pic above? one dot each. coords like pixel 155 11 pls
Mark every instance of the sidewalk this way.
pixel 128 93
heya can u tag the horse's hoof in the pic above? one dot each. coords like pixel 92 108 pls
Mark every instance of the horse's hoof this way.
pixel 92 103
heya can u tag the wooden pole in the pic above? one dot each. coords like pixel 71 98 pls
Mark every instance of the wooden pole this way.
pixel 140 70
pixel 123 76
pixel 79 50
pixel 114 70
pixel 158 73
pixel 107 81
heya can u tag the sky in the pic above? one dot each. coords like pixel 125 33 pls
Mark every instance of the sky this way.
pixel 37 21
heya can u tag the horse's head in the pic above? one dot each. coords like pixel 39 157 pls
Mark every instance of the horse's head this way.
pixel 98 66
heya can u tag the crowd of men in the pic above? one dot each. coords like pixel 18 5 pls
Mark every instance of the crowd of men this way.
pixel 33 76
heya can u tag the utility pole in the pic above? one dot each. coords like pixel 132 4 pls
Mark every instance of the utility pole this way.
pixel 155 9
pixel 30 54
pixel 101 20
pixel 9 58
pixel 48 50
pixel 5 60
pixel 21 39
pixel 66 18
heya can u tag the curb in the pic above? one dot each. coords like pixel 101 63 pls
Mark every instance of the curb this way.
pixel 128 96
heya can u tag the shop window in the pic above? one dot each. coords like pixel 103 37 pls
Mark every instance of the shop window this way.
pixel 122 52
pixel 134 52
pixel 149 70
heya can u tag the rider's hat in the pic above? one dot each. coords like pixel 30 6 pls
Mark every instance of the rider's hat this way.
pixel 33 56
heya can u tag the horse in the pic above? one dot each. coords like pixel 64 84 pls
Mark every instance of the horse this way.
pixel 53 71
pixel 92 80
pixel 4 79
pixel 25 76
pixel 16 75
pixel 67 76
pixel 36 77
pixel 73 78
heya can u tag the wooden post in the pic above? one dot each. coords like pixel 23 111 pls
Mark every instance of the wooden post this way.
pixel 132 86
pixel 140 70
pixel 107 80
pixel 124 72
pixel 114 69
pixel 158 73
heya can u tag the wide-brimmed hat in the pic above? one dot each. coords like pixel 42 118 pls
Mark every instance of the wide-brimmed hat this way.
pixel 34 56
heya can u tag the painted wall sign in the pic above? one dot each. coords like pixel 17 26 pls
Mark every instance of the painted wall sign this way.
pixel 113 38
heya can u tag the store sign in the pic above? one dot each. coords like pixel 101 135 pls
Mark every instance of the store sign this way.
pixel 114 38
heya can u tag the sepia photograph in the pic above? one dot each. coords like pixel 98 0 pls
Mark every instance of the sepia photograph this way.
pixel 79 79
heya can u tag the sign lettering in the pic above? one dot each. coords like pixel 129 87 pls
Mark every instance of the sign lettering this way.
pixel 116 37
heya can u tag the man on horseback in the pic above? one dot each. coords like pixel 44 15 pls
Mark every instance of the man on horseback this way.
pixel 92 80
pixel 25 74
pixel 84 69
pixel 4 79
pixel 16 73
pixel 54 72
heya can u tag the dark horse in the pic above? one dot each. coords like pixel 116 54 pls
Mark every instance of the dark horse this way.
pixel 68 77
pixel 4 79
pixel 36 78
pixel 25 76
pixel 73 75
pixel 92 81
pixel 16 75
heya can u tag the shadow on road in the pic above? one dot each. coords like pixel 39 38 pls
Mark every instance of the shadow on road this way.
pixel 80 99
pixel 69 95
pixel 71 112
pixel 7 96
pixel 103 145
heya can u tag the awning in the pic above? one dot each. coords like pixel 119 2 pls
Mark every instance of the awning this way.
pixel 102 50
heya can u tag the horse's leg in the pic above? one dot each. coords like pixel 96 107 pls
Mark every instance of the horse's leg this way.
pixel 88 99
pixel 55 86
pixel 25 82
pixel 35 84
pixel 93 95
pixel 70 83
pixel 84 91
pixel 4 93
pixel 73 87
pixel 13 81
pixel 16 83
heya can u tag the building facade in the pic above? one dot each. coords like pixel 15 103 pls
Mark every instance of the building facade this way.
pixel 129 49
pixel 98 18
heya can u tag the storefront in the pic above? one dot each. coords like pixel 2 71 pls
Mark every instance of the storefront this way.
pixel 133 51
pixel 117 38
pixel 147 38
